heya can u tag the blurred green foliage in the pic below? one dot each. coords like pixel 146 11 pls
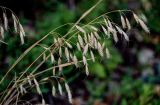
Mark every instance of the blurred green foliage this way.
pixel 101 70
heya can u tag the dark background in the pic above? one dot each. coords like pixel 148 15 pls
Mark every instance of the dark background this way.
pixel 130 77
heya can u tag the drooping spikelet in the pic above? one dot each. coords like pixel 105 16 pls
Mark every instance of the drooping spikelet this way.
pixel 60 89
pixel 92 56
pixel 105 31
pixel 125 36
pixel 68 92
pixel 22 33
pixel 15 22
pixel 119 29
pixel 95 44
pixel 54 71
pixel 85 49
pixel 80 40
pixel 69 45
pixel 85 38
pixel 84 60
pixel 136 17
pixel 29 80
pixel 5 21
pixel 78 46
pixel 60 52
pixel 144 26
pixel 100 50
pixel 96 35
pixel 43 101
pixel 44 56
pixel 123 22
pixel 21 30
pixel 106 23
pixel 22 38
pixel 67 54
pixel 92 39
pixel 80 29
pixel 52 58
pixel 93 28
pixel 1 32
pixel 59 64
pixel 109 23
pixel 75 60
pixel 53 90
pixel 21 88
pixel 37 86
pixel 107 53
pixel 128 24
pixel 123 33
pixel 115 37
pixel 86 69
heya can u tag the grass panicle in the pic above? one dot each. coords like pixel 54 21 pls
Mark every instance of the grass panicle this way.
pixel 86 39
